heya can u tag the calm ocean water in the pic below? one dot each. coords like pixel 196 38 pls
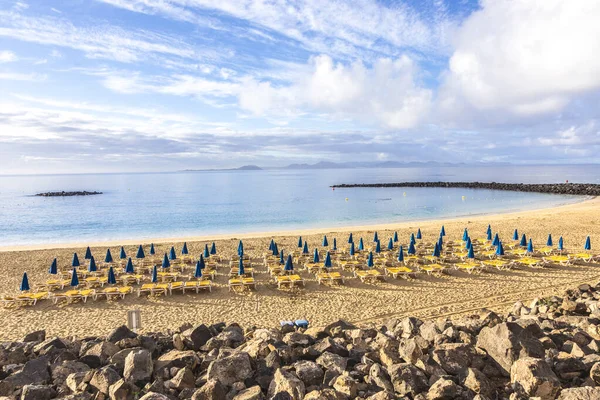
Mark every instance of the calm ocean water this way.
pixel 201 203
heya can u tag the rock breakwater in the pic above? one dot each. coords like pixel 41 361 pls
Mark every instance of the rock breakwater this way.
pixel 66 194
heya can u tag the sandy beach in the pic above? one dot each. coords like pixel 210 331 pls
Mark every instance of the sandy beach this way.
pixel 425 296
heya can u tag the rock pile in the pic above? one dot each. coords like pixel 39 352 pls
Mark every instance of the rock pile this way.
pixel 547 349
pixel 66 194
pixel 581 189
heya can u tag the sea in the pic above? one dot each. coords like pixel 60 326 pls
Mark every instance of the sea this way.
pixel 198 203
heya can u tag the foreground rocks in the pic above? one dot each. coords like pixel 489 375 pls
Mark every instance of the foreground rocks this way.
pixel 546 349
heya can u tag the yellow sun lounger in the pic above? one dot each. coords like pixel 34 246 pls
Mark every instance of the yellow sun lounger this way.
pixel 546 250
pixel 489 254
pixel 314 268
pixel 398 271
pixel 130 278
pixel 432 269
pixel 368 275
pixel 562 260
pixel 167 276
pixel 531 262
pixel 275 270
pixel 329 277
pixel 114 292
pixel 53 284
pixel 519 252
pixel 72 295
pixel 499 264
pixel 585 257
pixel 469 267
pixel 191 285
pixel 30 298
pixel 290 280
pixel 247 272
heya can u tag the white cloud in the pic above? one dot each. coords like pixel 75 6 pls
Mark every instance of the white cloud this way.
pixel 16 76
pixel 7 56
pixel 524 57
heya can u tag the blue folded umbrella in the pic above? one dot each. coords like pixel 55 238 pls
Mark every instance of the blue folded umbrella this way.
pixel 499 249
pixel 350 240
pixel 375 237
pixel 327 263
pixel 316 256
pixel 496 240
pixel 523 242
pixel 140 252
pixel 516 235
pixel 92 266
pixel 436 251
pixel 549 241
pixel 378 247
pixel 305 248
pixel 401 254
pixel 325 242
pixel 352 248
pixel 561 244
pixel 281 262
pixel 198 271
pixel 24 287
pixel 440 242
pixel 166 263
pixel 241 267
pixel 361 246
pixel 300 242
pixel 465 235
pixel 334 244
pixel 370 263
pixel 530 246
pixel 154 274
pixel 184 249
pixel 588 244
pixel 411 249
pixel 213 249
pixel 129 267
pixel 289 266
pixel 206 251
pixel 489 235
pixel 88 253
pixel 172 254
pixel 271 245
pixel 240 248
pixel 108 258
pixel 201 262
pixel 443 231
pixel 54 267
pixel 275 249
pixel 419 235
pixel 468 244
pixel 74 278
pixel 112 280
pixel 75 262
pixel 471 253
pixel 152 251
pixel 489 231
pixel 390 244
pixel 122 254
pixel 395 237
pixel 412 238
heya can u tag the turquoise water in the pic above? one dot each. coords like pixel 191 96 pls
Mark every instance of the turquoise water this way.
pixel 143 206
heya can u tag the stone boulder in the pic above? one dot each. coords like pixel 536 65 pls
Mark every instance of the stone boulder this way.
pixel 138 367
pixel 309 372
pixel 211 390
pixel 120 333
pixel 176 358
pixel 534 377
pixel 195 338
pixel 408 379
pixel 454 358
pixel 580 393
pixel 231 369
pixel 104 378
pixel 286 383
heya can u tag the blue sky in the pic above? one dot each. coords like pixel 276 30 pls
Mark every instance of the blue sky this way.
pixel 142 85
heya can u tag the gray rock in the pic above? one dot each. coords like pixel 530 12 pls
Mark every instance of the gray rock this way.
pixel 325 394
pixel 410 350
pixel 121 390
pixel 138 367
pixel 581 393
pixel 595 373
pixel 37 336
pixel 61 371
pixel 309 372
pixel 154 396
pixel 476 381
pixel 117 361
pixel 48 344
pixel 379 378
pixel 195 338
pixel 346 385
pixel 454 358
pixel 34 372
pixel 253 393
pixel 535 378
pixel 211 390
pixel 231 369
pixel 443 389
pixel 176 358
pixel 408 379
pixel 77 381
pixel 104 350
pixel 332 362
pixel 104 378
pixel 285 382
pixel 297 339
pixel 183 379
pixel 37 392
pixel 120 333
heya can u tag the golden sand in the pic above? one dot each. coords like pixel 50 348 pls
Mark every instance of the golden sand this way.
pixel 426 296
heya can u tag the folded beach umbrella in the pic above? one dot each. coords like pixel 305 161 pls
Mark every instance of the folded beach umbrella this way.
pixel 281 257
pixel 316 256
pixel 289 266
pixel 213 249
pixel 419 235
pixel 92 266
pixel 361 246
pixel 499 249
pixel 275 249
pixel 74 278
pixel 489 230
pixel 375 237
pixel 588 244
pixel 395 237
pixel 370 263
pixel 489 235
pixel 112 280
pixel 154 275
pixel 350 240
pixel 436 251
pixel 305 248
pixel 108 258
pixel 129 267
pixel 391 244
pixel 411 249
pixel 412 238
pixel 53 267
pixel 440 242
pixel 469 244
pixel 271 245
pixel 443 231
pixel 88 253
pixel 327 260
pixel 241 267
pixel 24 287
pixel 75 262
pixel 166 263
pixel 325 242
pixel 496 240
pixel 465 235
pixel 152 252
pixel 300 242
pixel 561 244
pixel 198 271
pixel 549 241
pixel 530 246
pixel 378 247
pixel 401 254
pixel 516 235
pixel 206 253
pixel 122 254
pixel 352 248
pixel 140 252
pixel 334 244
pixel 471 253
pixel 184 250
pixel 523 242
pixel 172 254
pixel 201 262
pixel 240 248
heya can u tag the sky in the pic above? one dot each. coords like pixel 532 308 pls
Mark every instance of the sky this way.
pixel 162 85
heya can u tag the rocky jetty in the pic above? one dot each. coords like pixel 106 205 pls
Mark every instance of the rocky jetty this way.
pixel 581 189
pixel 545 349
pixel 65 194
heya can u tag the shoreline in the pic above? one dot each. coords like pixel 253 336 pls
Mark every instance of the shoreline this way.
pixel 585 200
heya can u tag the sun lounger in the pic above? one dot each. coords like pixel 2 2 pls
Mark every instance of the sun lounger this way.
pixel 489 254
pixel 430 269
pixel 585 257
pixel 399 271
pixel 167 276
pixel 371 274
pixel 329 277
pixel 235 282
pixel 249 283
pixel 93 281
pixel 469 268
pixel 351 264
pixel 30 298
pixel 546 250
pixel 72 295
pixel 519 252
pixel 275 270
pixel 530 262
pixel 247 272
pixel 313 268
pixel 290 280
pixel 499 264
pixel 114 292
pixel 154 288
pixel 556 259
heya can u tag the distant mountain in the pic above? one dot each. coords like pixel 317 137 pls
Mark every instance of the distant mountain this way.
pixel 248 168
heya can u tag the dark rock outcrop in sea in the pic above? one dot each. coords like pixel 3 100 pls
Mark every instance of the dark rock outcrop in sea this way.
pixel 545 349
pixel 581 189
pixel 65 194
